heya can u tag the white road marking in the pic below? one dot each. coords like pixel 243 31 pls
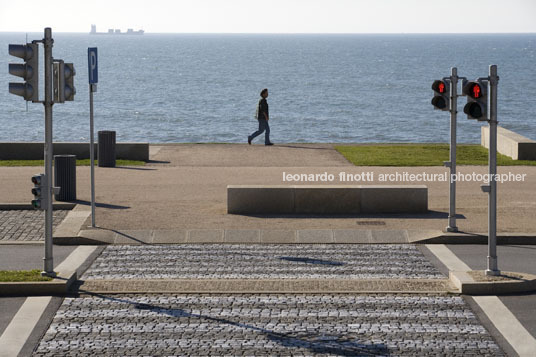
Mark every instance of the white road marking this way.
pixel 447 257
pixel 22 325
pixel 507 324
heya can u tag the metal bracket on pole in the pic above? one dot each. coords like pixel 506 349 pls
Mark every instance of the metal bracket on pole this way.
pixel 485 188
pixel 452 163
pixel 446 164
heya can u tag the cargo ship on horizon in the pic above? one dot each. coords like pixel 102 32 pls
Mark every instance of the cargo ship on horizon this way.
pixel 115 32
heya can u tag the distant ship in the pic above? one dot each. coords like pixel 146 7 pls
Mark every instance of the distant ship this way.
pixel 115 32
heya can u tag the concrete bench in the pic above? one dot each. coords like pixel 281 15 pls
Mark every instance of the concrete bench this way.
pixel 326 199
pixel 510 144
pixel 34 151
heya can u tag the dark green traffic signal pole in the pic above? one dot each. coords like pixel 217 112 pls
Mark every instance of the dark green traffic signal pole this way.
pixel 48 103
pixel 448 102
pixel 451 227
pixel 491 189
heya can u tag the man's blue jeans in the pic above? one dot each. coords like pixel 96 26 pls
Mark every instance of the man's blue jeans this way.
pixel 263 126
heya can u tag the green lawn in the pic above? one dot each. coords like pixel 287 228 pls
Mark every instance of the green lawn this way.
pixel 421 155
pixel 22 275
pixel 84 162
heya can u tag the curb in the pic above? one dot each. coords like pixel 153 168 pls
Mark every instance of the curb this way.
pixel 28 206
pixel 475 282
pixel 479 238
pixel 58 286
pixel 77 235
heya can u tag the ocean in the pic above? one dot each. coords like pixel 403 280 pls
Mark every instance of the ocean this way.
pixel 162 88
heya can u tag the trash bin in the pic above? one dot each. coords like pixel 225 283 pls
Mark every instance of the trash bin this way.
pixel 106 148
pixel 65 177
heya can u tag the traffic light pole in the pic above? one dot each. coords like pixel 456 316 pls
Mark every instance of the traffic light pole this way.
pixel 492 188
pixel 48 260
pixel 452 164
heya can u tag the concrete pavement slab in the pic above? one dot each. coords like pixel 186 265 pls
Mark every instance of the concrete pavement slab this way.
pixel 315 236
pixel 242 236
pixel 205 236
pixel 278 236
pixel 352 236
pixel 169 236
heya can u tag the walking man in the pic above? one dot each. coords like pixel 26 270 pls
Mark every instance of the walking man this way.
pixel 262 117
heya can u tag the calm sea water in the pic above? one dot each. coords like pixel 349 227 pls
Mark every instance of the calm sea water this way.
pixel 323 88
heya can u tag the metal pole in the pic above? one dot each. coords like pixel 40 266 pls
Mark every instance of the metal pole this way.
pixel 492 195
pixel 48 259
pixel 92 155
pixel 453 113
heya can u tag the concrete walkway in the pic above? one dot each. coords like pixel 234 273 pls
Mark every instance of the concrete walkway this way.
pixel 184 187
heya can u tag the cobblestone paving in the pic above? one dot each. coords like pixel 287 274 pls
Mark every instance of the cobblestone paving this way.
pixel 26 225
pixel 254 261
pixel 284 325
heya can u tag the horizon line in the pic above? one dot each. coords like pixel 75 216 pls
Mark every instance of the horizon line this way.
pixel 294 33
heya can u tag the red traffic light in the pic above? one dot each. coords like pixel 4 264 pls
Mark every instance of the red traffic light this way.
pixel 440 87
pixel 474 90
pixel 441 99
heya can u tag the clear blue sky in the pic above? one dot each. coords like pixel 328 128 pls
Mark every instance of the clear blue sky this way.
pixel 271 16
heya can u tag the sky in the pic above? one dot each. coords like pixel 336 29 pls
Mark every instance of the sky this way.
pixel 271 16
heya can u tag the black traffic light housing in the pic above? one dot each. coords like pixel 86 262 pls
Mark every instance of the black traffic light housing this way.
pixel 29 71
pixel 39 201
pixel 64 89
pixel 477 99
pixel 441 99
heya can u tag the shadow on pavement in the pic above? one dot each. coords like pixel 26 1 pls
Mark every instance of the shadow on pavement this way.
pixel 315 342
pixel 101 205
pixel 312 261
pixel 427 215
pixel 135 168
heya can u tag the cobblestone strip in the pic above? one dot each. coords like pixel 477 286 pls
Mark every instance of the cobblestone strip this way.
pixel 266 286
pixel 256 261
pixel 26 225
pixel 284 325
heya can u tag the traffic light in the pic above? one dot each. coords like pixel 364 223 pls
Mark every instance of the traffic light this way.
pixel 39 191
pixel 29 70
pixel 441 99
pixel 477 100
pixel 64 89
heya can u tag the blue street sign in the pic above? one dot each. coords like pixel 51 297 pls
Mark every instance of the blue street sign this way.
pixel 92 65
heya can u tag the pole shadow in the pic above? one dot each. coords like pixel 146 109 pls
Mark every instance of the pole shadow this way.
pixel 320 343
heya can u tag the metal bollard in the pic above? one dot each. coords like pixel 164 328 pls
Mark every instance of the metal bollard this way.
pixel 106 148
pixel 65 177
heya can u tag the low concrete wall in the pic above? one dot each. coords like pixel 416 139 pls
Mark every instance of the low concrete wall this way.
pixel 326 199
pixel 34 151
pixel 510 144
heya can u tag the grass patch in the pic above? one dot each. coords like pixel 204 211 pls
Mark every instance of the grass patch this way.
pixel 84 162
pixel 421 155
pixel 22 275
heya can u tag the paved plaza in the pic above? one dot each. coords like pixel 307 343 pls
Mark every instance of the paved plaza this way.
pixel 26 225
pixel 249 325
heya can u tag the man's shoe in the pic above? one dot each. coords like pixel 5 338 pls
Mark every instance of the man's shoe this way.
pixel 269 144
pixel 249 140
